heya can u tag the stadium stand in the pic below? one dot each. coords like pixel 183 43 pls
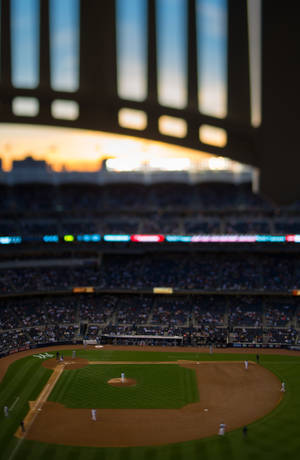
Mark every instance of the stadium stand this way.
pixel 195 320
pixel 225 295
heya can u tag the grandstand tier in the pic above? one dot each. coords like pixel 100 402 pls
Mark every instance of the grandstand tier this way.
pixel 74 287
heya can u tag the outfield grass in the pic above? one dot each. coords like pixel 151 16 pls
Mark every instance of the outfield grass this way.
pixel 275 436
pixel 24 379
pixel 158 387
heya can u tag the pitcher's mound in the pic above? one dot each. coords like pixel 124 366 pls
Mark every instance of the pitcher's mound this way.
pixel 117 382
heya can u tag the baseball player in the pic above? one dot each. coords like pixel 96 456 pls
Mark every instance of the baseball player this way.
pixel 222 429
pixel 246 364
pixel 282 387
pixel 94 415
pixel 5 409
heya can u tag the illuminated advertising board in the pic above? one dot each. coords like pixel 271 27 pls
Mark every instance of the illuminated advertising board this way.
pixel 147 238
pixel 162 290
pixel 116 238
pixel 69 238
pixel 10 239
pixel 178 238
pixel 80 290
pixel 50 238
pixel 94 238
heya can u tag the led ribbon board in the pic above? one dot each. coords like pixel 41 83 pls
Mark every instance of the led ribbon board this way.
pixel 147 238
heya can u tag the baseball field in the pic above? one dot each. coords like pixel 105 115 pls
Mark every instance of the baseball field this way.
pixel 168 406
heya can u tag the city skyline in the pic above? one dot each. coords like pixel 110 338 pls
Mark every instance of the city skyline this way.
pixel 127 153
pixel 81 150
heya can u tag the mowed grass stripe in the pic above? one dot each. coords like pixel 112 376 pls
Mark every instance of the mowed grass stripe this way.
pixel 21 382
pixel 18 374
pixel 273 437
pixel 191 386
pixel 53 452
pixel 140 355
pixel 63 385
pixel 31 449
pixel 29 393
pixel 158 386
pixel 135 356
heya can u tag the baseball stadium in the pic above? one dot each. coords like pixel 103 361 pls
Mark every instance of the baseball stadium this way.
pixel 149 221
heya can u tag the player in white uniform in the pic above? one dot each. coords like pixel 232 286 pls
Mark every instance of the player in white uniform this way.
pixel 5 409
pixel 222 428
pixel 246 364
pixel 282 387
pixel 94 416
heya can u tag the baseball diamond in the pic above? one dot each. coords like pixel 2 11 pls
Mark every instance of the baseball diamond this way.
pixel 206 388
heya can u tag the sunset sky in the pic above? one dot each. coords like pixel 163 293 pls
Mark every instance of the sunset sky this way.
pixel 79 149
pixel 83 150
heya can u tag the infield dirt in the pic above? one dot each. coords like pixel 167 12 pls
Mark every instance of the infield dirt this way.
pixel 230 394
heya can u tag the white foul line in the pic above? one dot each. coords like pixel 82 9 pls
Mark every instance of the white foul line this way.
pixel 42 397
pixel 14 403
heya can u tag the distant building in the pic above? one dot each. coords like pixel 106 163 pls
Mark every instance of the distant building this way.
pixel 30 170
pixel 29 164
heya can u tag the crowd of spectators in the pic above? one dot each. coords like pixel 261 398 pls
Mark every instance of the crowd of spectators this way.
pixel 246 311
pixel 169 208
pixel 286 336
pixel 249 227
pixel 247 335
pixel 167 223
pixel 14 340
pixel 180 209
pixel 206 271
pixel 73 197
pixel 45 278
pixel 53 333
pixel 188 320
pixel 278 315
pixel 209 311
pixel 32 210
pixel 145 223
pixel 98 310
pixel 198 271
